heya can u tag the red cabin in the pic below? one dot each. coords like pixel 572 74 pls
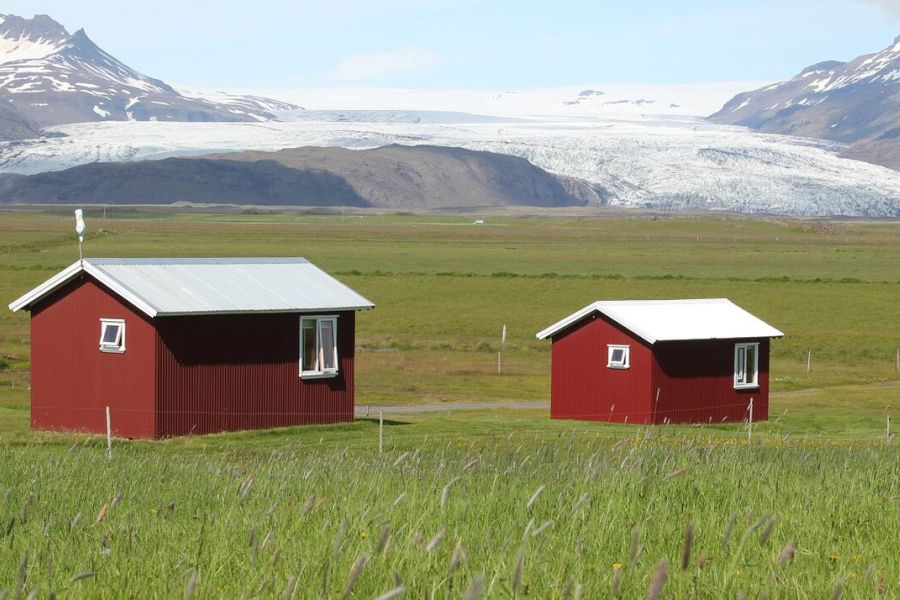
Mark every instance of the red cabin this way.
pixel 660 361
pixel 181 346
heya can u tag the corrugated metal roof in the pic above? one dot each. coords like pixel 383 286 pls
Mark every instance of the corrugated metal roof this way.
pixel 671 320
pixel 186 286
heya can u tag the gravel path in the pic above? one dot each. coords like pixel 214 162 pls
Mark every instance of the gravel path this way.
pixel 372 410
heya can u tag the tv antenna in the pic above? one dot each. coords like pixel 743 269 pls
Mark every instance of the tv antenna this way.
pixel 79 229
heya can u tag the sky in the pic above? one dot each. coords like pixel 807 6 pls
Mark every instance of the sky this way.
pixel 467 44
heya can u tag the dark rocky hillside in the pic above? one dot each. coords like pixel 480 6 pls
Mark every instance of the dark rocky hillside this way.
pixel 399 177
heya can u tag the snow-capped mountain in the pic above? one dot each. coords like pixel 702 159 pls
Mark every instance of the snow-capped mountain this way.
pixel 856 102
pixel 49 77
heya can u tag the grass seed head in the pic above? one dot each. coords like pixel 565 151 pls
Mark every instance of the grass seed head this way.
pixel 534 497
pixel 309 505
pixel 83 575
pixel 787 555
pixel 21 575
pixel 445 493
pixel 767 531
pixel 675 474
pixel 75 521
pixel 476 587
pixel 383 539
pixel 435 541
pixel 837 590
pixel 458 556
pixel 635 550
pixel 616 583
pixel 191 585
pixel 658 582
pixel 290 587
pixel 729 528
pixel 392 593
pixel 544 526
pixel 518 571
pixel 401 458
pixel 688 545
pixel 354 575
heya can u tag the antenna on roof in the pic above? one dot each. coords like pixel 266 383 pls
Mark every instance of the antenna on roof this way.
pixel 79 229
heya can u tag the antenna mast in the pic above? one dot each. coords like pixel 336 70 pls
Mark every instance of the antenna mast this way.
pixel 79 229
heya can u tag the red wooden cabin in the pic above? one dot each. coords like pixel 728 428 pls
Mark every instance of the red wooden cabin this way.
pixel 659 361
pixel 181 346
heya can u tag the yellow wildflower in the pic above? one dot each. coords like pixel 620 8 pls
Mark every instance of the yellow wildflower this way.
pixel 616 566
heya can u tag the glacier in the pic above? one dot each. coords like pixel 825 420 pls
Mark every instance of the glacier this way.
pixel 668 162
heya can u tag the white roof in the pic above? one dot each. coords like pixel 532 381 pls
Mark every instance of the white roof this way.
pixel 670 320
pixel 163 287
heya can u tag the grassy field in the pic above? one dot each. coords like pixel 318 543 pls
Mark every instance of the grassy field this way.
pixel 813 502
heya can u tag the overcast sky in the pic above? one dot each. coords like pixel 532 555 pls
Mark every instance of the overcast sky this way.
pixel 516 44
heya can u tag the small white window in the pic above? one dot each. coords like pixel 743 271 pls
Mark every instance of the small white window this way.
pixel 112 335
pixel 618 357
pixel 318 347
pixel 746 366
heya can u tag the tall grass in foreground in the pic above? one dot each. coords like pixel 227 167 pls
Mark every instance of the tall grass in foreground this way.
pixel 514 516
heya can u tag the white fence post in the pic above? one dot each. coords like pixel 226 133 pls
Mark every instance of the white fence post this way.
pixel 380 431
pixel 750 423
pixel 808 359
pixel 108 435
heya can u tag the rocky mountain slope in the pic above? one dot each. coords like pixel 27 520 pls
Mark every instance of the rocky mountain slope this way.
pixel 49 77
pixel 397 177
pixel 855 103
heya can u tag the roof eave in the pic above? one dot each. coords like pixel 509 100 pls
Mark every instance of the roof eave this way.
pixel 598 307
pixel 46 288
pixel 578 316
pixel 267 312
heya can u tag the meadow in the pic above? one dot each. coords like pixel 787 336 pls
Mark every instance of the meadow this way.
pixel 492 503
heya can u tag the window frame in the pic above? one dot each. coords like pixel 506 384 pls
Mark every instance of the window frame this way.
pixel 316 372
pixel 625 363
pixel 113 348
pixel 740 369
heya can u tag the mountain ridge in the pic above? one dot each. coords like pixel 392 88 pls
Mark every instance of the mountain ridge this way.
pixel 49 77
pixel 856 103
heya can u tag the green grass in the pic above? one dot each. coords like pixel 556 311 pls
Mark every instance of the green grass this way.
pixel 248 512
pixel 233 507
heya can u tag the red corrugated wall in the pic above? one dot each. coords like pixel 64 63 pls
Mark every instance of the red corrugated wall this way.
pixel 696 382
pixel 695 379
pixel 72 381
pixel 582 387
pixel 232 372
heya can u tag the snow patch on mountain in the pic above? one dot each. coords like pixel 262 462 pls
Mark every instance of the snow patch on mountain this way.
pixel 23 39
pixel 592 100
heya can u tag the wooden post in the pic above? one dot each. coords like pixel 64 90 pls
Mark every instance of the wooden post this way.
pixel 108 435
pixel 897 361
pixel 808 359
pixel 888 431
pixel 750 423
pixel 498 362
pixel 380 431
